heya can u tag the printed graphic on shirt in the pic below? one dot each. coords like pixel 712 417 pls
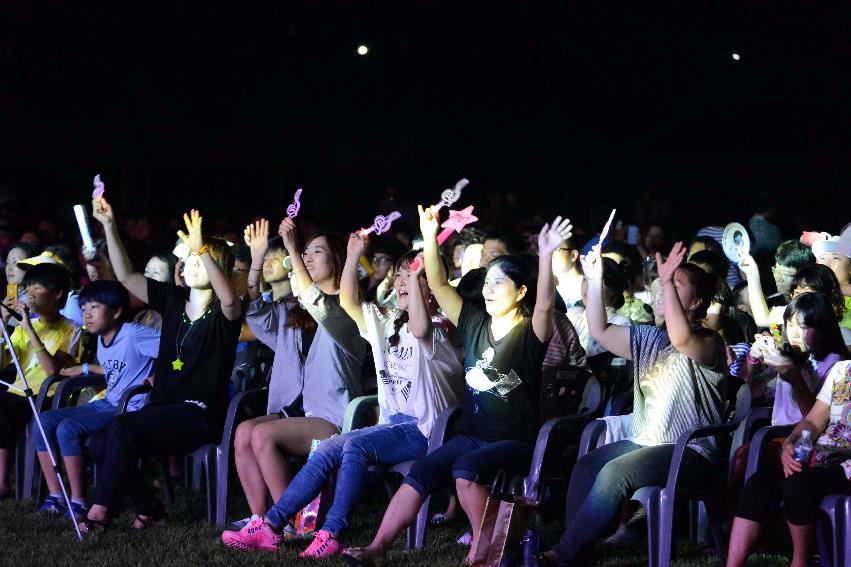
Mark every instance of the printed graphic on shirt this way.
pixel 838 433
pixel 400 362
pixel 112 370
pixel 484 378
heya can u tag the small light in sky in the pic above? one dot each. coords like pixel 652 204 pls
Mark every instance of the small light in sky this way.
pixel 362 50
pixel 736 57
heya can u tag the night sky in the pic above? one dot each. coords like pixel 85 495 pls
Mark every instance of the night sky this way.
pixel 231 106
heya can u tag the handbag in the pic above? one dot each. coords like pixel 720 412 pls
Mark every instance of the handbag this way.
pixel 503 525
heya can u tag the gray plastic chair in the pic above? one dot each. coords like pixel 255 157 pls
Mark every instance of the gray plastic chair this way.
pixel 833 528
pixel 359 412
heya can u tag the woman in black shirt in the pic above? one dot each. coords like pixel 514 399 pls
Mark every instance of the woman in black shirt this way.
pixel 504 345
pixel 186 407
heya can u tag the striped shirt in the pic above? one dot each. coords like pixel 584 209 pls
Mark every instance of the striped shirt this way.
pixel 672 393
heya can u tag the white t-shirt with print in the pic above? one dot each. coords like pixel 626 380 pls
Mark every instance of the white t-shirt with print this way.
pixel 414 378
pixel 836 394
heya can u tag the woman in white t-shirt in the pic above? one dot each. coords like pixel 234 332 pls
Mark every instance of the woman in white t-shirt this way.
pixel 811 329
pixel 419 373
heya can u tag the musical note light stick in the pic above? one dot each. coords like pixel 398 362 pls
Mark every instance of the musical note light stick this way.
pixel 455 223
pixel 293 208
pixel 99 187
pixel 606 227
pixel 381 224
pixel 450 196
pixel 80 213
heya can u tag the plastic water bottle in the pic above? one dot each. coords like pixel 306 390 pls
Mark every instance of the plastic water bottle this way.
pixel 804 448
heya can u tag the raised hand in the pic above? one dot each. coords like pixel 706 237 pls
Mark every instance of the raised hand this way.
pixel 419 261
pixel 552 236
pixel 748 266
pixel 102 211
pixel 428 222
pixel 355 246
pixel 194 239
pixel 592 263
pixel 257 239
pixel 287 231
pixel 667 268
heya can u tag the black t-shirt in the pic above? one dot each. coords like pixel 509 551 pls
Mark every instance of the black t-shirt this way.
pixel 207 351
pixel 503 377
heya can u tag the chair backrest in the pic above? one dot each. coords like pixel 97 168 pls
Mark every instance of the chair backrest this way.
pixel 361 412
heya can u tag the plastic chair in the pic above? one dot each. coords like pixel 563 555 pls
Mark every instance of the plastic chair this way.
pixel 659 500
pixel 358 413
pixel 25 444
pixel 833 526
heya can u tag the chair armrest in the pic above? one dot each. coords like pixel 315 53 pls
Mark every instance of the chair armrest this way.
pixel 239 401
pixel 759 439
pixel 591 436
pixel 755 415
pixel 440 429
pixel 355 411
pixel 68 387
pixel 45 387
pixel 553 430
pixel 682 443
pixel 128 394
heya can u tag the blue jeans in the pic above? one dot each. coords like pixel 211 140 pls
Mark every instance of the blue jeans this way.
pixel 68 426
pixel 607 476
pixel 471 459
pixel 352 453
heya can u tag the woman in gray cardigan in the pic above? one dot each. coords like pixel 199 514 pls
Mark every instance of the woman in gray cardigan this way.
pixel 317 366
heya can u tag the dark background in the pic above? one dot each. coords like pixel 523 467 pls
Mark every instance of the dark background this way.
pixel 229 107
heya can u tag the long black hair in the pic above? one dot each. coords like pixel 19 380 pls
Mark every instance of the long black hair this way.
pixel 816 312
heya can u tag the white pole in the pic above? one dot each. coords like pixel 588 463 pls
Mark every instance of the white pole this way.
pixel 29 395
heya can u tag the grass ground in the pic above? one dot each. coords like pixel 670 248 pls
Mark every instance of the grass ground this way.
pixel 185 539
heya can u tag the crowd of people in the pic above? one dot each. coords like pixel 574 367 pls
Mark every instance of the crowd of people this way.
pixel 471 322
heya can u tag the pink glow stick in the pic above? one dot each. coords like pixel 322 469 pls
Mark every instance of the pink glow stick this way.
pixel 381 224
pixel 292 209
pixel 450 196
pixel 606 228
pixel 455 223
pixel 99 187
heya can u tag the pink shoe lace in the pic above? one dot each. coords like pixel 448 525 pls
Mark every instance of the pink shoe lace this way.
pixel 257 534
pixel 324 544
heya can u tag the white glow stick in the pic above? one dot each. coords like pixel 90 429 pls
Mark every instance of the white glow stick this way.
pixel 99 187
pixel 80 213
pixel 606 228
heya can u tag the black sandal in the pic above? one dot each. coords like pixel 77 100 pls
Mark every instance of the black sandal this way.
pixel 93 526
pixel 147 520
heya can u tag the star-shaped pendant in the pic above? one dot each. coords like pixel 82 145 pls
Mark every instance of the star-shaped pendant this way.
pixel 177 364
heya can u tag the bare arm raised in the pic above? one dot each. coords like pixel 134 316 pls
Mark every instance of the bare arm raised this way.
pixel 445 294
pixel 614 338
pixel 135 282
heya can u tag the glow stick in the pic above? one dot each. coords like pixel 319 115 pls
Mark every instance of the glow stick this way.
pixel 455 223
pixel 292 210
pixel 607 226
pixel 99 187
pixel 381 224
pixel 80 213
pixel 450 196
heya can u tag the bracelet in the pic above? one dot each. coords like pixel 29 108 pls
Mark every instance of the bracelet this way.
pixel 753 361
pixel 202 251
pixel 39 349
pixel 85 366
pixel 256 269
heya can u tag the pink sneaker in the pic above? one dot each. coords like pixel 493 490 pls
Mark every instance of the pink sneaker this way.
pixel 256 534
pixel 324 544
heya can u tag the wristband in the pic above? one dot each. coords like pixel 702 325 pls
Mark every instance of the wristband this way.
pixel 202 251
pixel 753 361
pixel 85 366
pixel 39 349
